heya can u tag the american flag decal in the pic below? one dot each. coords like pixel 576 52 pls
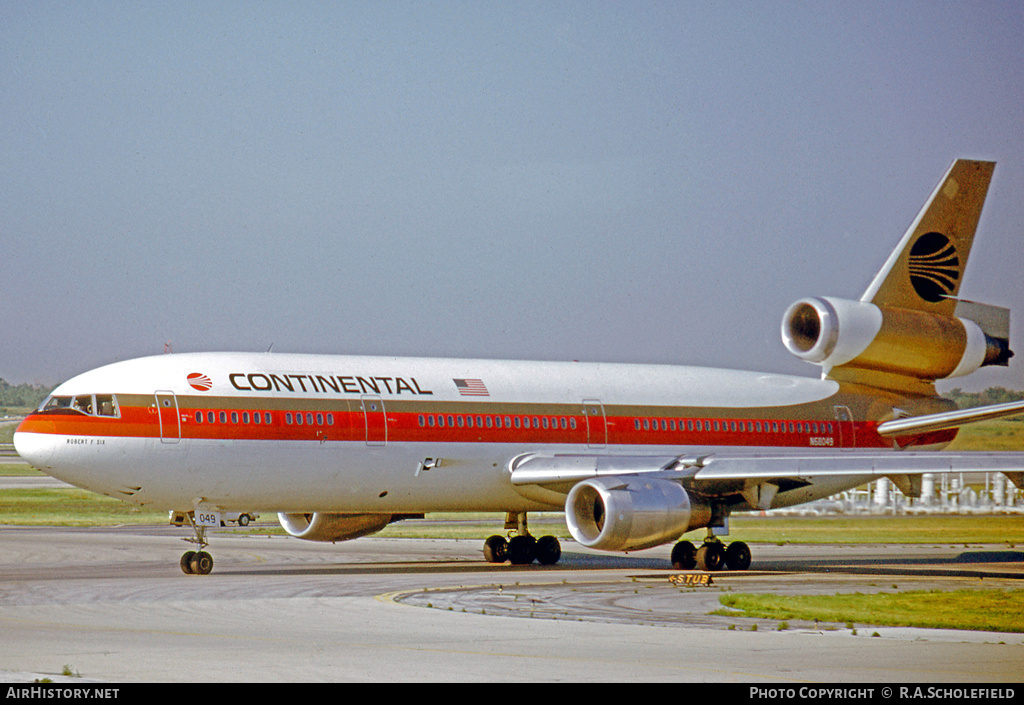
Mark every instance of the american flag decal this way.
pixel 472 387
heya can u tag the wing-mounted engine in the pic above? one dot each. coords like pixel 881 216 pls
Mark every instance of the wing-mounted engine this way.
pixel 852 339
pixel 631 512
pixel 319 526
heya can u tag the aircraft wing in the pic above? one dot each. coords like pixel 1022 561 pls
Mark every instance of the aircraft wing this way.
pixel 714 473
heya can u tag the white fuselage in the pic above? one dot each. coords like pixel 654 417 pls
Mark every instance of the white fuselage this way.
pixel 319 433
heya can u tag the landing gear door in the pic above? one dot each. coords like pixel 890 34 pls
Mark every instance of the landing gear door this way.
pixel 597 427
pixel 170 419
pixel 376 421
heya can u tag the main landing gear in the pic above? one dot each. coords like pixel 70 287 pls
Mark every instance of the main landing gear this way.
pixel 711 556
pixel 521 549
pixel 196 562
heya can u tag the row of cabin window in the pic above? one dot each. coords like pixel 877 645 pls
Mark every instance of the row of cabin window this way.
pixel 222 417
pixel 460 421
pixel 741 426
pixel 297 419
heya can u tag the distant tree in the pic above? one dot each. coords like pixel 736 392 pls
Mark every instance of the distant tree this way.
pixel 992 395
pixel 30 395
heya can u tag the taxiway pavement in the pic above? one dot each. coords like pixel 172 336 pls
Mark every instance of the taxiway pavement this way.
pixel 112 604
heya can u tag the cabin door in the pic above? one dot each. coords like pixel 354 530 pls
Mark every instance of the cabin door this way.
pixel 376 421
pixel 844 420
pixel 170 419
pixel 597 427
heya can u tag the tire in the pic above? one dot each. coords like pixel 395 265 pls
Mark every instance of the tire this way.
pixel 548 550
pixel 202 563
pixel 737 556
pixel 186 562
pixel 710 557
pixel 522 550
pixel 496 549
pixel 684 556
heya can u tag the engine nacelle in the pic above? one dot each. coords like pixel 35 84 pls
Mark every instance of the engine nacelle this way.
pixel 332 527
pixel 631 512
pixel 834 332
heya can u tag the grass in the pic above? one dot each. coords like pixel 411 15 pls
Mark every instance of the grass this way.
pixel 1001 434
pixel 71 507
pixel 977 610
pixel 929 529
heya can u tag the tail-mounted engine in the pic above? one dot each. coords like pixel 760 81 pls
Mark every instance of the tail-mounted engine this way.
pixel 855 335
pixel 631 512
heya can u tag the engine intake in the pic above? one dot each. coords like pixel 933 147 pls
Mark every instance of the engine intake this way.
pixel 629 513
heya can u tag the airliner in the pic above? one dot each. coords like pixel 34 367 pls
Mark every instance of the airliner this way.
pixel 636 455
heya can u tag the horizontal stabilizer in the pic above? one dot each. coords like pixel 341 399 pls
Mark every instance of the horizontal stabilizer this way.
pixel 874 464
pixel 948 419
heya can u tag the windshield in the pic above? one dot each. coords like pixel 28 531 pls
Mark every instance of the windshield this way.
pixel 88 404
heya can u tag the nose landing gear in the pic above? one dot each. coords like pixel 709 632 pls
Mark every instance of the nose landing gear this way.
pixel 196 562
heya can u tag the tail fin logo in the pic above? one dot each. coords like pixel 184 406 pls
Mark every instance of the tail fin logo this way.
pixel 934 267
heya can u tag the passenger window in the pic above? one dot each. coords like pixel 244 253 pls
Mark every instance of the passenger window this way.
pixel 199 417
pixel 223 417
pixel 210 418
pixel 234 417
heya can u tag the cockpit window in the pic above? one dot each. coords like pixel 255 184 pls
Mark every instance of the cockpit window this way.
pixel 106 405
pixel 88 404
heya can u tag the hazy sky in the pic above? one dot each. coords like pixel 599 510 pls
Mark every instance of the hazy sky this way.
pixel 611 181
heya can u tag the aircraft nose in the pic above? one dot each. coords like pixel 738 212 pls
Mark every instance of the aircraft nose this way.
pixel 36 445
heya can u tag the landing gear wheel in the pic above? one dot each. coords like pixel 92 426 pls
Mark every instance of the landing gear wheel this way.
pixel 684 556
pixel 243 520
pixel 496 549
pixel 710 556
pixel 548 550
pixel 202 563
pixel 522 550
pixel 737 556
pixel 186 562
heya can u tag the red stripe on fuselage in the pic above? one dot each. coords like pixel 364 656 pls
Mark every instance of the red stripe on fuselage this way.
pixel 426 427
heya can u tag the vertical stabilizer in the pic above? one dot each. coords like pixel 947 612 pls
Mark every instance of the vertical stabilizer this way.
pixel 925 270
